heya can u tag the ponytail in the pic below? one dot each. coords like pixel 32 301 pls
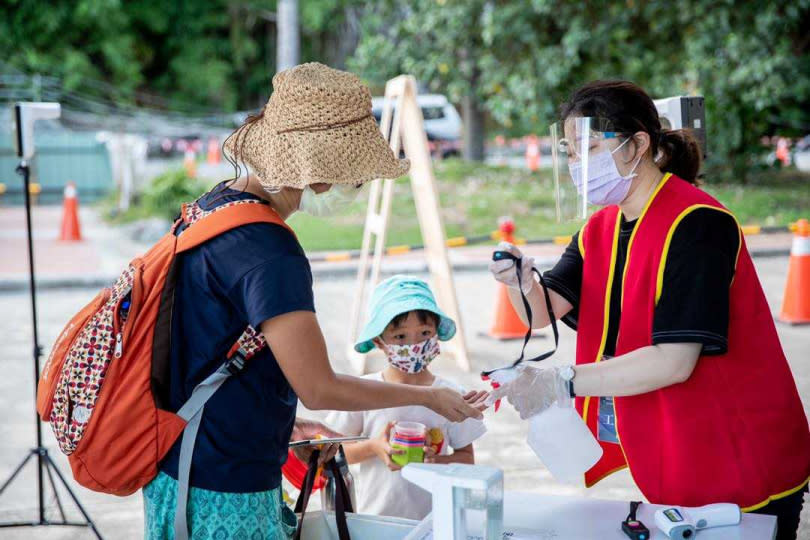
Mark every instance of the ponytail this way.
pixel 680 154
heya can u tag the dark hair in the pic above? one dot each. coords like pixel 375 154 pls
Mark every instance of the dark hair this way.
pixel 239 137
pixel 628 109
pixel 424 315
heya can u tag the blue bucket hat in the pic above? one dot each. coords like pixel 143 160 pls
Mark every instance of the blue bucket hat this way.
pixel 394 296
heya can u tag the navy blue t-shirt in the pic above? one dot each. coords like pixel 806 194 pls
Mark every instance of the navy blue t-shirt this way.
pixel 245 276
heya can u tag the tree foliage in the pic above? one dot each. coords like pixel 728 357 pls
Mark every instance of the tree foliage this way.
pixel 212 55
pixel 515 60
pixel 749 59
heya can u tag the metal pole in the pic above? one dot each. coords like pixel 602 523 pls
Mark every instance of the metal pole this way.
pixel 288 38
pixel 25 170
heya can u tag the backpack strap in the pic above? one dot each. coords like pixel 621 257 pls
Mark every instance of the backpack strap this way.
pixel 203 226
pixel 191 412
pixel 248 344
pixel 224 218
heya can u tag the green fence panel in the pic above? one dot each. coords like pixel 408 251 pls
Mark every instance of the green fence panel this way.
pixel 61 157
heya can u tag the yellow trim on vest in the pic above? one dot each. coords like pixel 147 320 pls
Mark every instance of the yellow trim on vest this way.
pixel 659 282
pixel 613 250
pixel 581 242
pixel 635 229
pixel 775 497
pixel 647 205
pixel 617 469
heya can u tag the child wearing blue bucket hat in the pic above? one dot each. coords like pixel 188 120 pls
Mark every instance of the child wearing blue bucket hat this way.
pixel 406 324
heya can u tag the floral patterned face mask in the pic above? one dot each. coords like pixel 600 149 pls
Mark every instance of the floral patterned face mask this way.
pixel 413 358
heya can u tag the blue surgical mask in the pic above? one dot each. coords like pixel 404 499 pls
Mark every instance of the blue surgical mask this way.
pixel 606 185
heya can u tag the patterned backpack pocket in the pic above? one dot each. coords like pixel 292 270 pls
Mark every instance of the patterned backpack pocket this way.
pixel 99 343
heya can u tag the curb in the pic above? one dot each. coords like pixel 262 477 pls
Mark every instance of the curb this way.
pixel 497 236
pixel 321 267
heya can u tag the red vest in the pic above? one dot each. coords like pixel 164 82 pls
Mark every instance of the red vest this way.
pixel 735 431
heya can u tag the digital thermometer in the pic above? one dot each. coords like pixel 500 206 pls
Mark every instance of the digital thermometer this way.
pixel 682 523
pixel 503 256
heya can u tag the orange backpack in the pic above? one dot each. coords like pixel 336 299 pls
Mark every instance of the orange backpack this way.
pixel 104 388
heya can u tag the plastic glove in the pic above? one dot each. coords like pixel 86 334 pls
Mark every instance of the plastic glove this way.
pixel 504 270
pixel 534 390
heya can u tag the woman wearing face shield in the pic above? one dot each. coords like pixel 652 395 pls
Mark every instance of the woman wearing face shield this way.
pixel 311 147
pixel 679 371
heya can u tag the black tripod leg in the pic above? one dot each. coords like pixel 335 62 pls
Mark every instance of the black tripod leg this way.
pixel 16 472
pixel 55 493
pixel 50 463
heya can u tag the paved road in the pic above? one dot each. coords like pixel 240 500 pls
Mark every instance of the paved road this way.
pixel 503 446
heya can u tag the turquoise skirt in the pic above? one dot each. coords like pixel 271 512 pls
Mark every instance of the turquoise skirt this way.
pixel 216 515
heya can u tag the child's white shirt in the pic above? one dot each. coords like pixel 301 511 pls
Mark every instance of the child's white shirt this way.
pixel 381 491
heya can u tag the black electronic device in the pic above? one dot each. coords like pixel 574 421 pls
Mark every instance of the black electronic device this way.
pixel 633 527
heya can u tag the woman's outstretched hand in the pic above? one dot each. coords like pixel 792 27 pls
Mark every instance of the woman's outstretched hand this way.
pixel 477 399
pixel 452 405
pixel 310 429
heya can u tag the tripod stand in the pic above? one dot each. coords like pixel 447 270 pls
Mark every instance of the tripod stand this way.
pixel 40 453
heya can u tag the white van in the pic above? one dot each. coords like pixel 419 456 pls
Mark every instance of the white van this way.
pixel 442 122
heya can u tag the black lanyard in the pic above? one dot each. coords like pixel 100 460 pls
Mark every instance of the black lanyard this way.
pixel 504 255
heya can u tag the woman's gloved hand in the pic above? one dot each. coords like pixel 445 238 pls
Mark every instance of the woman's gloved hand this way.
pixel 504 270
pixel 534 390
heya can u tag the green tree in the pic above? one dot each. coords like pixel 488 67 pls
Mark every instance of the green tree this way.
pixel 197 56
pixel 751 60
pixel 521 59
pixel 72 40
pixel 442 44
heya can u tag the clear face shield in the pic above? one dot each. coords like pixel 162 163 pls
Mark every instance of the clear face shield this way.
pixel 583 167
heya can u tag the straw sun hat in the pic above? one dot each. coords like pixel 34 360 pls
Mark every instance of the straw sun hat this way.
pixel 317 126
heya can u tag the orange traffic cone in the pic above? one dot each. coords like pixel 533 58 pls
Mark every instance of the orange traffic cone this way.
pixel 71 231
pixel 213 151
pixel 533 153
pixel 506 323
pixel 190 163
pixel 796 304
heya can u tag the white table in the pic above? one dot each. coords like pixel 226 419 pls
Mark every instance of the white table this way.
pixel 579 518
pixel 550 517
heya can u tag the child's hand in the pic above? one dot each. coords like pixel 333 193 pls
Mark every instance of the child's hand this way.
pixel 430 455
pixel 382 448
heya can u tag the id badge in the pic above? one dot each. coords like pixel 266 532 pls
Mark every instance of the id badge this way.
pixel 606 422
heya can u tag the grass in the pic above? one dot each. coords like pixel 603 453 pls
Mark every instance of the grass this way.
pixel 772 198
pixel 473 196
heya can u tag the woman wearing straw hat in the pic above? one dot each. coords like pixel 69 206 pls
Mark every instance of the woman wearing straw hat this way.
pixel 309 149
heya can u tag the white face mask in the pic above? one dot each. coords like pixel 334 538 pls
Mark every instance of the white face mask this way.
pixel 328 202
pixel 605 185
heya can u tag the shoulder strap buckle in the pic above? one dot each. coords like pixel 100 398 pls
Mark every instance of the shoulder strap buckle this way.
pixel 236 362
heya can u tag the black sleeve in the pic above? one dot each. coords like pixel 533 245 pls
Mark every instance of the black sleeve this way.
pixel 566 279
pixel 694 302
